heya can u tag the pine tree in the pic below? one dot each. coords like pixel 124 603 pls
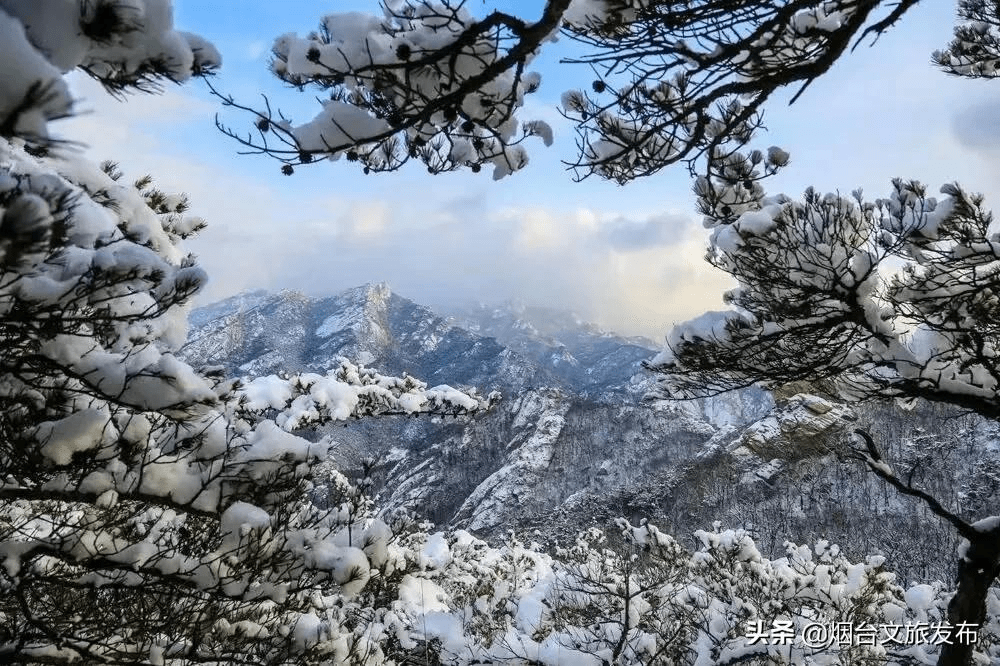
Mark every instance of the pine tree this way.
pixel 151 512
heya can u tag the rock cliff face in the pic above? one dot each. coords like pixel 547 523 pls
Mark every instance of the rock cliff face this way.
pixel 573 443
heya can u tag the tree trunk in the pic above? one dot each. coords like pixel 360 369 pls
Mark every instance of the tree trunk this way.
pixel 976 572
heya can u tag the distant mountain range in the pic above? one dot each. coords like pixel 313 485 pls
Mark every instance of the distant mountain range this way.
pixel 573 442
pixel 510 347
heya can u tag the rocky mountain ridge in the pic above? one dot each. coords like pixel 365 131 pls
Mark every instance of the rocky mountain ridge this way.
pixel 570 389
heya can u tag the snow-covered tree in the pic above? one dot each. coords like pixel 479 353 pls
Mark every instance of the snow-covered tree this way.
pixel 151 512
pixel 633 595
pixel 975 51
pixel 892 298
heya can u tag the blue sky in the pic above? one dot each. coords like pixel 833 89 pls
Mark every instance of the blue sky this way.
pixel 627 257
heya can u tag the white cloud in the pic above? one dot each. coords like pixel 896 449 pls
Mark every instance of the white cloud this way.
pixel 543 229
pixel 453 245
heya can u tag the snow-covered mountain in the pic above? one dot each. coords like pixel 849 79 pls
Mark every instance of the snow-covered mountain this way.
pixel 258 333
pixel 587 358
pixel 573 443
pixel 572 415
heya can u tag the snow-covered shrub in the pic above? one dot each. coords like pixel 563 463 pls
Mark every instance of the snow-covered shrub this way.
pixel 633 595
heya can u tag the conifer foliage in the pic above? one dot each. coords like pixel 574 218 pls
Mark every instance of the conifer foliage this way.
pixel 668 82
pixel 151 512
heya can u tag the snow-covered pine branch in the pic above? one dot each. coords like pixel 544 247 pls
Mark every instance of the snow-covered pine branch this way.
pixel 146 515
pixel 131 476
pixel 352 391
pixel 893 297
pixel 127 45
pixel 429 81
pixel 888 298
pixel 426 80
pixel 975 50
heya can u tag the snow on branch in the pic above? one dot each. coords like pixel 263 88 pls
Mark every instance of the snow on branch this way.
pixel 427 81
pixel 674 82
pixel 631 594
pixel 127 45
pixel 975 50
pixel 352 391
pixel 130 476
pixel 424 81
pixel 892 297
pixel 147 514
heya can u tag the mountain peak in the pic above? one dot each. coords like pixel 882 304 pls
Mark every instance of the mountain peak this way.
pixel 362 310
pixel 245 300
pixel 260 333
pixel 372 292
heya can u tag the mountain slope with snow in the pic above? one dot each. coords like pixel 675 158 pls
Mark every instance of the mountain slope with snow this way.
pixel 491 472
